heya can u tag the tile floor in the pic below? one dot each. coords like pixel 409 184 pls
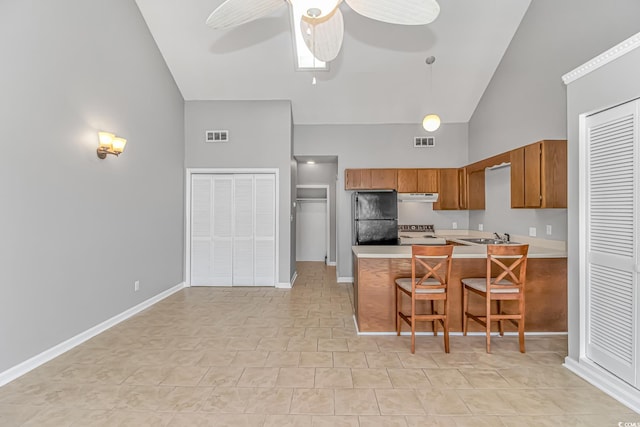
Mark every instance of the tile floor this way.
pixel 270 357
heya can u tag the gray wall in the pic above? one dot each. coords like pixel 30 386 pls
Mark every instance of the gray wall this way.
pixel 586 95
pixel 259 137
pixel 526 99
pixel 323 174
pixel 78 231
pixel 376 146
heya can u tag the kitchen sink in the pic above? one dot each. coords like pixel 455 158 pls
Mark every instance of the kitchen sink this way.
pixel 484 241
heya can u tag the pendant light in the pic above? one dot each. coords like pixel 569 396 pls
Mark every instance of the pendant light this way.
pixel 431 122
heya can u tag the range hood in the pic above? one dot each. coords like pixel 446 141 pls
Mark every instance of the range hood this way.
pixel 418 197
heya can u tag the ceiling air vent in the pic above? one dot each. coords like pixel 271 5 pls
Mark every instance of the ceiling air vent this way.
pixel 424 141
pixel 217 136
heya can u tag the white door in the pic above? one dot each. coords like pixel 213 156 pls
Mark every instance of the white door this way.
pixel 612 240
pixel 233 230
pixel 311 230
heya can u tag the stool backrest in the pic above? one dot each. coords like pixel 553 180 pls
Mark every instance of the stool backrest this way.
pixel 511 263
pixel 436 261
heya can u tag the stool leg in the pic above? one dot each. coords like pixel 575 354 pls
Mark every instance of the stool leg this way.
pixel 500 322
pixel 465 302
pixel 446 325
pixel 435 322
pixel 488 322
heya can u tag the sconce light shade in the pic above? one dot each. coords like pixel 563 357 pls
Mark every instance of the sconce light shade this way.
pixel 109 143
pixel 431 122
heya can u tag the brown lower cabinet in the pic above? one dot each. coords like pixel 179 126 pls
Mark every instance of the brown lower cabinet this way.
pixel 374 293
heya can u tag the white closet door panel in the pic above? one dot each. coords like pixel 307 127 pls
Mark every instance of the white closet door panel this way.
pixel 265 262
pixel 265 230
pixel 243 262
pixel 265 211
pixel 222 206
pixel 201 206
pixel 243 206
pixel 200 261
pixel 222 262
pixel 612 240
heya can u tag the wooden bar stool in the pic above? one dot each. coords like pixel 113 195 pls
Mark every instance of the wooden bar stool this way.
pixel 432 286
pixel 510 264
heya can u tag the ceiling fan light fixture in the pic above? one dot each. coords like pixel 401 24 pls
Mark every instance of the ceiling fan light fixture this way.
pixel 318 9
pixel 431 122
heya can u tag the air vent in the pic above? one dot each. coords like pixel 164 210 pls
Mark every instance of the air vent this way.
pixel 424 141
pixel 217 136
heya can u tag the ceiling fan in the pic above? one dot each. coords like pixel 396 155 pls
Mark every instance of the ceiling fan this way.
pixel 321 23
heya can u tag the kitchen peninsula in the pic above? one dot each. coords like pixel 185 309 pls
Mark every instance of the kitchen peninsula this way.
pixel 377 267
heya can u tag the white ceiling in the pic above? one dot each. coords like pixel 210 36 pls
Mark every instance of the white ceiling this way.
pixel 380 75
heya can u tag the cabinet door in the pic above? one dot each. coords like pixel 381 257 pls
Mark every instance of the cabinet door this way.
pixel 463 188
pixel 554 174
pixel 476 190
pixel 448 191
pixel 407 180
pixel 532 180
pixel 384 179
pixel 517 178
pixel 357 179
pixel 428 181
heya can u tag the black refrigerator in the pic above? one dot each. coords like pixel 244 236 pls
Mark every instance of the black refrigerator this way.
pixel 375 218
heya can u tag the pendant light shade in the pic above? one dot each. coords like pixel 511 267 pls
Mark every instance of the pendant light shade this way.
pixel 431 122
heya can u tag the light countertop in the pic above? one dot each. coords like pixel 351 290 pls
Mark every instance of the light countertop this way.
pixel 538 248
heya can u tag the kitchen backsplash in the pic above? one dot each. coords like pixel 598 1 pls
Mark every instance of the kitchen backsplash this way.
pixel 423 213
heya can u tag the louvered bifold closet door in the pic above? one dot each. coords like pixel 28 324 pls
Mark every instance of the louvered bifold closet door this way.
pixel 201 226
pixel 243 230
pixel 222 232
pixel 612 240
pixel 265 230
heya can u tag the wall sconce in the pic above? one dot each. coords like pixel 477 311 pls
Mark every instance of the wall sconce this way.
pixel 110 144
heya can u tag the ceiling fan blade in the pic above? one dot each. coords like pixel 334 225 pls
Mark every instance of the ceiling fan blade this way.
pixel 324 39
pixel 237 12
pixel 402 12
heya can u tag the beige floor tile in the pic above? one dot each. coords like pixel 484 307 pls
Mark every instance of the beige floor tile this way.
pixel 314 401
pixel 357 401
pixel 333 378
pixel 418 360
pixel 349 359
pixel 332 344
pixel 398 402
pixel 485 378
pixel 583 401
pixel 303 344
pixel 139 397
pixel 447 378
pixel 316 359
pixel 548 421
pixel 430 420
pixel 148 375
pixel 296 378
pixel 16 415
pixel 451 360
pixel 331 323
pixel 383 360
pixel 408 378
pixel 135 419
pixel 530 402
pixel 273 344
pixel 543 377
pixel 221 376
pixel 287 421
pixel 278 359
pixel 185 399
pixel 383 421
pixel 217 420
pixel 334 421
pixel 217 358
pixel 270 401
pixel 488 402
pixel 442 402
pixel 232 400
pixel 258 377
pixel 371 378
pixel 362 344
pixel 250 358
pixel 184 376
pixel 478 421
pixel 318 333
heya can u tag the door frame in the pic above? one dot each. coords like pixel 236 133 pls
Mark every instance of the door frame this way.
pixel 228 171
pixel 328 216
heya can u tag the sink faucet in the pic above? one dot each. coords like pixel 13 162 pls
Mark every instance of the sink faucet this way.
pixel 504 239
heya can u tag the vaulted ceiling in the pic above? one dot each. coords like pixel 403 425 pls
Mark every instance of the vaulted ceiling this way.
pixel 380 75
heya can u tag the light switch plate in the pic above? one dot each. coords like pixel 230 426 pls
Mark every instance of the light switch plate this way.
pixel 480 227
pixel 454 226
pixel 532 232
pixel 549 230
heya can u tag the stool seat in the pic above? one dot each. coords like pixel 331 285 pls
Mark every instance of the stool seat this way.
pixel 405 283
pixel 480 284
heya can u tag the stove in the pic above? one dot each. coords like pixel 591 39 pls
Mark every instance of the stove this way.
pixel 419 235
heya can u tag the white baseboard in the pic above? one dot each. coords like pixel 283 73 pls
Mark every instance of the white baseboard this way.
pixel 345 279
pixel 331 263
pixel 55 351
pixel 285 285
pixel 605 381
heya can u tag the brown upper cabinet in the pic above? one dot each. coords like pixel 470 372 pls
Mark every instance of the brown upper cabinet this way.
pixel 370 179
pixel 417 181
pixel 449 191
pixel 539 175
pixel 357 179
